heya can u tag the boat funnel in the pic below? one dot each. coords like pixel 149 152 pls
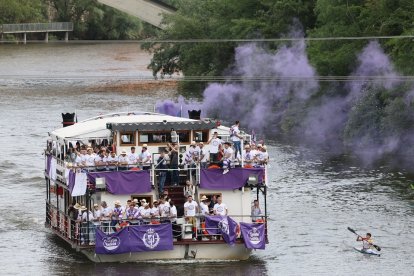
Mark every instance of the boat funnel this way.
pixel 194 114
pixel 68 119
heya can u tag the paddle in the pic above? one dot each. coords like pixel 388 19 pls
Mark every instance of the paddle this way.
pixel 353 231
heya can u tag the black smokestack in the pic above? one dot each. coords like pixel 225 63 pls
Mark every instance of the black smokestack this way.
pixel 68 119
pixel 194 114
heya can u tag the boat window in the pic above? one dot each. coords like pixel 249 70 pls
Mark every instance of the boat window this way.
pixel 201 135
pixel 127 138
pixel 161 137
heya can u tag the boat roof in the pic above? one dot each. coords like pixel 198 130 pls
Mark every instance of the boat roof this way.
pixel 102 125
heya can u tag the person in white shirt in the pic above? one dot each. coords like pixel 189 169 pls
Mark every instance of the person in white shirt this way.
pixel 203 155
pixel 97 214
pixel 165 209
pixel 132 158
pixel 227 155
pixel 214 144
pixel 132 214
pixel 89 158
pixel 123 161
pixel 190 211
pixel 262 157
pixel 203 206
pixel 87 227
pixel 236 138
pixel 99 163
pixel 220 208
pixel 248 157
pixel 145 213
pixel 145 157
pixel 112 161
pixel 155 211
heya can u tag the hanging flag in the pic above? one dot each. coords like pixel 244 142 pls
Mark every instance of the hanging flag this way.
pixel 224 225
pixel 253 235
pixel 151 237
pixel 116 243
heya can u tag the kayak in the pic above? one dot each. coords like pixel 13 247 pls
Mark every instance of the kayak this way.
pixel 367 251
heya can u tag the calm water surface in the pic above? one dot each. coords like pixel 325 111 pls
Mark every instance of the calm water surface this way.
pixel 311 200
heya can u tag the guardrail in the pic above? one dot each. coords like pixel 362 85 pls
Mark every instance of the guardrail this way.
pixel 36 27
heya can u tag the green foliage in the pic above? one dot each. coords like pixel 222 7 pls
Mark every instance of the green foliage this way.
pixel 22 11
pixel 220 19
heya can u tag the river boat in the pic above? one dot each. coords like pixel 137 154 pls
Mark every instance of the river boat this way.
pixel 71 184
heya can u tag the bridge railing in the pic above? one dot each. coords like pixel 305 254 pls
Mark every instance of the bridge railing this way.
pixel 37 27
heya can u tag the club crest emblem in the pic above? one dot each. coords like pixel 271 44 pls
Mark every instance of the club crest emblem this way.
pixel 254 236
pixel 111 243
pixel 151 238
pixel 223 225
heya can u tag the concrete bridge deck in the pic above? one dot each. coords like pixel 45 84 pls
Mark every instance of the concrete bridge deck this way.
pixel 150 11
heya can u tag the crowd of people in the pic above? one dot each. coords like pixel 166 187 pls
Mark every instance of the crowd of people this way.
pixel 140 212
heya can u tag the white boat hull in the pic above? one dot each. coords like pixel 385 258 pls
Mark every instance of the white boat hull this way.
pixel 209 252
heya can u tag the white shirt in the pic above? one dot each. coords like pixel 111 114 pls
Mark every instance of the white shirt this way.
pixel 155 211
pixel 165 209
pixel 132 158
pixel 173 213
pixel 146 213
pixel 89 159
pixel 236 130
pixel 204 151
pixel 123 159
pixel 220 209
pixel 145 157
pixel 190 208
pixel 85 216
pixel 97 214
pixel 214 145
pixel 228 153
pixel 204 209
pixel 106 213
pixel 248 156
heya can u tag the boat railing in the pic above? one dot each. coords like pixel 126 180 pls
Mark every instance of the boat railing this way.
pixel 83 233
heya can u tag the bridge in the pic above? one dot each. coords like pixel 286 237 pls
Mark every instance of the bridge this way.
pixel 150 11
pixel 36 28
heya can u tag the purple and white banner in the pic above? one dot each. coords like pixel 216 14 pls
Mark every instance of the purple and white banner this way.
pixel 124 182
pixel 214 179
pixel 116 243
pixel 141 238
pixel 225 226
pixel 150 237
pixel 253 235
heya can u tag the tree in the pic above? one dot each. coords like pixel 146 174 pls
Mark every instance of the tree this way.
pixel 22 11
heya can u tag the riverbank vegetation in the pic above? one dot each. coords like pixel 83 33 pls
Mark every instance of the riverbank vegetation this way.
pixel 355 94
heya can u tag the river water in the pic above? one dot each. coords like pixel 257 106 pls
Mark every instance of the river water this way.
pixel 312 200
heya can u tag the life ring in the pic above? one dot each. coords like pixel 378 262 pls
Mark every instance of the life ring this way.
pixel 214 166
pixel 248 166
pixel 155 221
pixel 135 169
pixel 259 221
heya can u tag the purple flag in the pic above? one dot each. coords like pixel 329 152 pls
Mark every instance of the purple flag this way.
pixel 225 226
pixel 116 243
pixel 214 179
pixel 124 182
pixel 71 180
pixel 253 235
pixel 150 237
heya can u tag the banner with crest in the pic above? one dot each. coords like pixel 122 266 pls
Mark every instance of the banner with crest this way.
pixel 253 235
pixel 224 225
pixel 116 243
pixel 135 239
pixel 150 237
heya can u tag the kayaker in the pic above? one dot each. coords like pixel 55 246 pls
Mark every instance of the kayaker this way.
pixel 367 242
